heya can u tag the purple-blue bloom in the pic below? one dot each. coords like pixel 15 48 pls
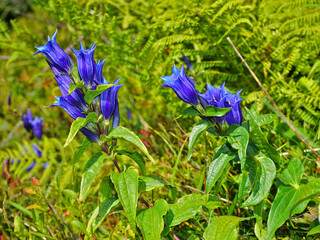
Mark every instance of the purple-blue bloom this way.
pixel 62 79
pixel 9 99
pixel 37 150
pixel 187 62
pixel 182 85
pixel 56 55
pixel 27 120
pixel 37 127
pixel 109 100
pixel 221 98
pixel 31 166
pixel 45 165
pixel 86 64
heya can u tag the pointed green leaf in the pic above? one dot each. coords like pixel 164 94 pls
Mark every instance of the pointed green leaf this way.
pixel 280 208
pixel 260 140
pixel 309 191
pixel 265 174
pixel 126 184
pixel 78 124
pixel 91 170
pixel 91 94
pixel 190 111
pixel 184 209
pixel 195 134
pixel 292 174
pixel 212 111
pixel 265 119
pixel 135 156
pixel 101 212
pixel 81 149
pixel 315 230
pixel 150 221
pixel 125 134
pixel 147 183
pixel 218 164
pixel 239 139
pixel 106 188
pixel 248 179
pixel 222 228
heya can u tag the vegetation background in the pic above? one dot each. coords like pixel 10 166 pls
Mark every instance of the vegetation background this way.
pixel 141 40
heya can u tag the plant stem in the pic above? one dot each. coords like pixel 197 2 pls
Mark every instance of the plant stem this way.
pixel 273 103
pixel 145 202
pixel 116 164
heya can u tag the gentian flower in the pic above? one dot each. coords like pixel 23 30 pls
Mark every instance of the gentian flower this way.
pixel 221 98
pixel 109 101
pixel 235 115
pixel 31 166
pixel 187 62
pixel 27 120
pixel 45 165
pixel 86 64
pixel 62 79
pixel 37 150
pixel 9 99
pixel 56 55
pixel 37 127
pixel 129 115
pixel 182 85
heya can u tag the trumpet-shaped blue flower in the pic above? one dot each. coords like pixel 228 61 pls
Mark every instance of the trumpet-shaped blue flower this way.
pixel 56 55
pixel 86 64
pixel 221 98
pixel 37 127
pixel 27 120
pixel 37 150
pixel 31 166
pixel 62 79
pixel 109 103
pixel 182 85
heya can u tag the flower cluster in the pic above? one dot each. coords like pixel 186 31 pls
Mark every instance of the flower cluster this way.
pixel 185 89
pixel 31 124
pixel 90 76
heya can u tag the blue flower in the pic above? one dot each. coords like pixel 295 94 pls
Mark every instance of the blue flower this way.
pixel 91 135
pixel 37 150
pixel 187 62
pixel 129 115
pixel 9 99
pixel 62 79
pixel 56 55
pixel 31 166
pixel 37 127
pixel 86 64
pixel 27 120
pixel 182 85
pixel 73 104
pixel 109 103
pixel 235 115
pixel 45 165
pixel 221 98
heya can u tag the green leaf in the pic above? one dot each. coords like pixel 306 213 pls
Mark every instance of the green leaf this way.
pixel 248 179
pixel 239 139
pixel 265 119
pixel 222 228
pixel 309 191
pixel 78 124
pixel 212 111
pixel 125 134
pixel 265 174
pixel 106 188
pixel 260 140
pixel 292 174
pixel 314 230
pixel 150 221
pixel 184 209
pixel 19 207
pixel 147 183
pixel 218 164
pixel 126 184
pixel 81 149
pixel 101 212
pixel 135 156
pixel 280 208
pixel 91 170
pixel 91 94
pixel 190 111
pixel 195 134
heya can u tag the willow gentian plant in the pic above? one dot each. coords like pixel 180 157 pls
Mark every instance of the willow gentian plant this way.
pixel 221 115
pixel 93 104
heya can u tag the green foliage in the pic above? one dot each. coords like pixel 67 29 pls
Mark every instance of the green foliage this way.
pixel 251 181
